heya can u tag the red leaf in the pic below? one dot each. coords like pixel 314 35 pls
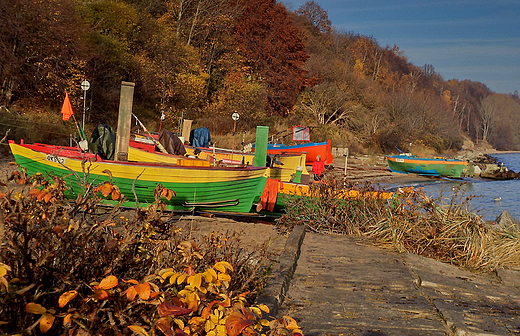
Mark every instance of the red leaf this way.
pixel 101 294
pixel 179 332
pixel 168 309
pixel 236 322
pixel 163 325
pixel 190 271
pixel 47 197
pixel 206 312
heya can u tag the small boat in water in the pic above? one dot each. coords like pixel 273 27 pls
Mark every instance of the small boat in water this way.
pixel 230 189
pixel 441 167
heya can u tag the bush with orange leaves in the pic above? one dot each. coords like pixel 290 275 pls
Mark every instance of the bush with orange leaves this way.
pixel 77 268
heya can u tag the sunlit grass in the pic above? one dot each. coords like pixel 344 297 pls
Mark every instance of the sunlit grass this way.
pixel 412 222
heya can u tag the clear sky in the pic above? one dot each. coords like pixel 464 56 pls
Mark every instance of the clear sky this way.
pixel 477 40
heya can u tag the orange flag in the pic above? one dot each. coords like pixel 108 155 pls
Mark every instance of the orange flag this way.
pixel 66 110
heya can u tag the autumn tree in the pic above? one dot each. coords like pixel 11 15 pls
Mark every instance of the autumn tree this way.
pixel 500 121
pixel 316 15
pixel 273 52
pixel 41 49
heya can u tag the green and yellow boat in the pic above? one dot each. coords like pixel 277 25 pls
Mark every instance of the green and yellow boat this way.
pixel 286 167
pixel 204 188
pixel 441 167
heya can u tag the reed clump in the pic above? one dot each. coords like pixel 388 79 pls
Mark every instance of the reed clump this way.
pixel 445 229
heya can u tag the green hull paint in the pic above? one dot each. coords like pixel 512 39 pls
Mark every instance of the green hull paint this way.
pixel 233 195
pixel 427 167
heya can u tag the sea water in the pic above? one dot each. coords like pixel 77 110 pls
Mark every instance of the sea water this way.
pixel 491 196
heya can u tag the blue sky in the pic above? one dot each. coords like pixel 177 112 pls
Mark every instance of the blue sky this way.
pixel 477 40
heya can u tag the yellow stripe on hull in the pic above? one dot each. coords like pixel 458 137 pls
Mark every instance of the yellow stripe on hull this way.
pixel 289 164
pixel 135 154
pixel 145 172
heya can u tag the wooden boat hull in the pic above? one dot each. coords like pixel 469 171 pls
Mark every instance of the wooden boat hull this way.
pixel 140 155
pixel 204 188
pixel 312 149
pixel 427 167
pixel 289 166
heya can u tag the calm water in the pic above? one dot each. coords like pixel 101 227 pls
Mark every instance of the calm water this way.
pixel 487 190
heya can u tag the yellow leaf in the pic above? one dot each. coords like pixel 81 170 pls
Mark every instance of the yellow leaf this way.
pixel 35 308
pixel 211 272
pixel 166 274
pixel 179 322
pixel 4 282
pixel 67 320
pixel 66 297
pixel 224 277
pixel 132 281
pixel 108 282
pixel 264 322
pixel 209 325
pixel 195 280
pixel 222 266
pixel 181 278
pixel 165 270
pixel 46 322
pixel 290 323
pixel 138 329
pixel 7 267
pixel 264 308
pixel 174 277
pixel 3 271
pixel 257 311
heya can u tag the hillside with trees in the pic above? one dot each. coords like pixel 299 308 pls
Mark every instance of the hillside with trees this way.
pixel 205 59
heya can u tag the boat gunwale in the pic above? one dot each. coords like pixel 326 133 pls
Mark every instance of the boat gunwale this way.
pixel 134 163
pixel 426 160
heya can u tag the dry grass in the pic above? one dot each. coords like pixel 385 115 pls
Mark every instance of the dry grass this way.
pixel 411 222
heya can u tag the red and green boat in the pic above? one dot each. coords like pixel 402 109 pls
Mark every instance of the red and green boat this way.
pixel 230 189
pixel 313 149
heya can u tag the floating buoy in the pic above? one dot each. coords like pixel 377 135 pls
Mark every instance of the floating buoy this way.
pixel 498 199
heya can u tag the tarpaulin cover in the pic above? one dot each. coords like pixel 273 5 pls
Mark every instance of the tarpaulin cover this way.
pixel 171 143
pixel 103 142
pixel 200 137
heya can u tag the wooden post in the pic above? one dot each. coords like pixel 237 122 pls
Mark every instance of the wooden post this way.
pixel 186 129
pixel 124 122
